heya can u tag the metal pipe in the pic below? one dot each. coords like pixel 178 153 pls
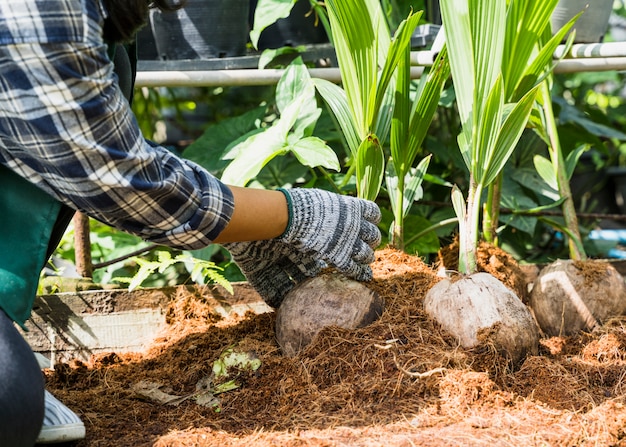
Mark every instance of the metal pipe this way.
pixel 593 50
pixel 591 64
pixel 242 77
pixel 580 58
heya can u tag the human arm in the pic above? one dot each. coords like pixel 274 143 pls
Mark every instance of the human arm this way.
pixel 258 214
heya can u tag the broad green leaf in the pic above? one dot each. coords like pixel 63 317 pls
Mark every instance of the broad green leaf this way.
pixel 254 153
pixel 313 152
pixel 208 150
pixel 546 171
pixel 530 179
pixel 271 54
pixel 370 168
pixel 296 85
pixel 266 13
pixel 294 82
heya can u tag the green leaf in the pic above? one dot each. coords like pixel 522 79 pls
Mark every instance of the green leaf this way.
pixel 275 54
pixel 357 54
pixel 572 159
pixel 254 153
pixel 427 242
pixel 487 131
pixel 512 129
pixel 266 13
pixel 542 64
pixel 459 42
pixel 295 82
pixel 208 150
pixel 488 24
pixel 527 20
pixel 458 203
pixel 399 52
pixel 426 104
pixel 337 100
pixel 370 168
pixel 546 171
pixel 530 179
pixel 313 152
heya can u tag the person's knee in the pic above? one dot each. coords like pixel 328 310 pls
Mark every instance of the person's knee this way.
pixel 21 389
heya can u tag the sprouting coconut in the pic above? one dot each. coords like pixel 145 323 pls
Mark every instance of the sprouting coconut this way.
pixel 329 299
pixel 569 296
pixel 479 309
pixel 495 92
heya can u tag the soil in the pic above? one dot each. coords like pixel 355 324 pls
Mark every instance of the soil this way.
pixel 400 381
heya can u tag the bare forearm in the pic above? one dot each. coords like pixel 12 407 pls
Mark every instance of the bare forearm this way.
pixel 259 214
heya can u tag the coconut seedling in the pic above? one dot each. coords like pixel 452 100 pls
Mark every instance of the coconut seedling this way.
pixel 375 101
pixel 528 59
pixel 578 293
pixel 477 308
pixel 369 61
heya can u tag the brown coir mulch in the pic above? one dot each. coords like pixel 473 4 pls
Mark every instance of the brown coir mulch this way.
pixel 399 382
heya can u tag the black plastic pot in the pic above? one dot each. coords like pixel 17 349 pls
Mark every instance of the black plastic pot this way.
pixel 202 30
pixel 591 26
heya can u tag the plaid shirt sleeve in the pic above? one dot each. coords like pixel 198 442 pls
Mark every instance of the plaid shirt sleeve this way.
pixel 65 126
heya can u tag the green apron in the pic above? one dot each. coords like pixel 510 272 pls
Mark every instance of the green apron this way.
pixel 33 222
pixel 28 217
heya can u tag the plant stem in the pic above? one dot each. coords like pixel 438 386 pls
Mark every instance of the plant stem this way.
pixel 397 235
pixel 576 249
pixel 491 211
pixel 468 234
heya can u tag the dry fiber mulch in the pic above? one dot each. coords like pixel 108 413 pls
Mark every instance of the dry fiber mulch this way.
pixel 401 381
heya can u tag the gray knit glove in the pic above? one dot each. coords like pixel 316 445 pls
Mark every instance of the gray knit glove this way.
pixel 339 230
pixel 273 267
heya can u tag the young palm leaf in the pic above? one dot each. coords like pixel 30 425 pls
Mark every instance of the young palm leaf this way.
pixel 409 126
pixel 367 58
pixel 528 59
pixel 475 36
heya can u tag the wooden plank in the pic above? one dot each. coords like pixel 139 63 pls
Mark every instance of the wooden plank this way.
pixel 76 325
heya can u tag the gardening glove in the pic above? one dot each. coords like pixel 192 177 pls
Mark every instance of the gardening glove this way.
pixel 272 267
pixel 339 230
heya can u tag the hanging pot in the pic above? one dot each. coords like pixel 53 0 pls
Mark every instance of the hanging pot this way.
pixel 592 24
pixel 202 30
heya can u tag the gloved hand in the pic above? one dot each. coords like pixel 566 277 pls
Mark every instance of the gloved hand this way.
pixel 324 229
pixel 339 230
pixel 272 267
